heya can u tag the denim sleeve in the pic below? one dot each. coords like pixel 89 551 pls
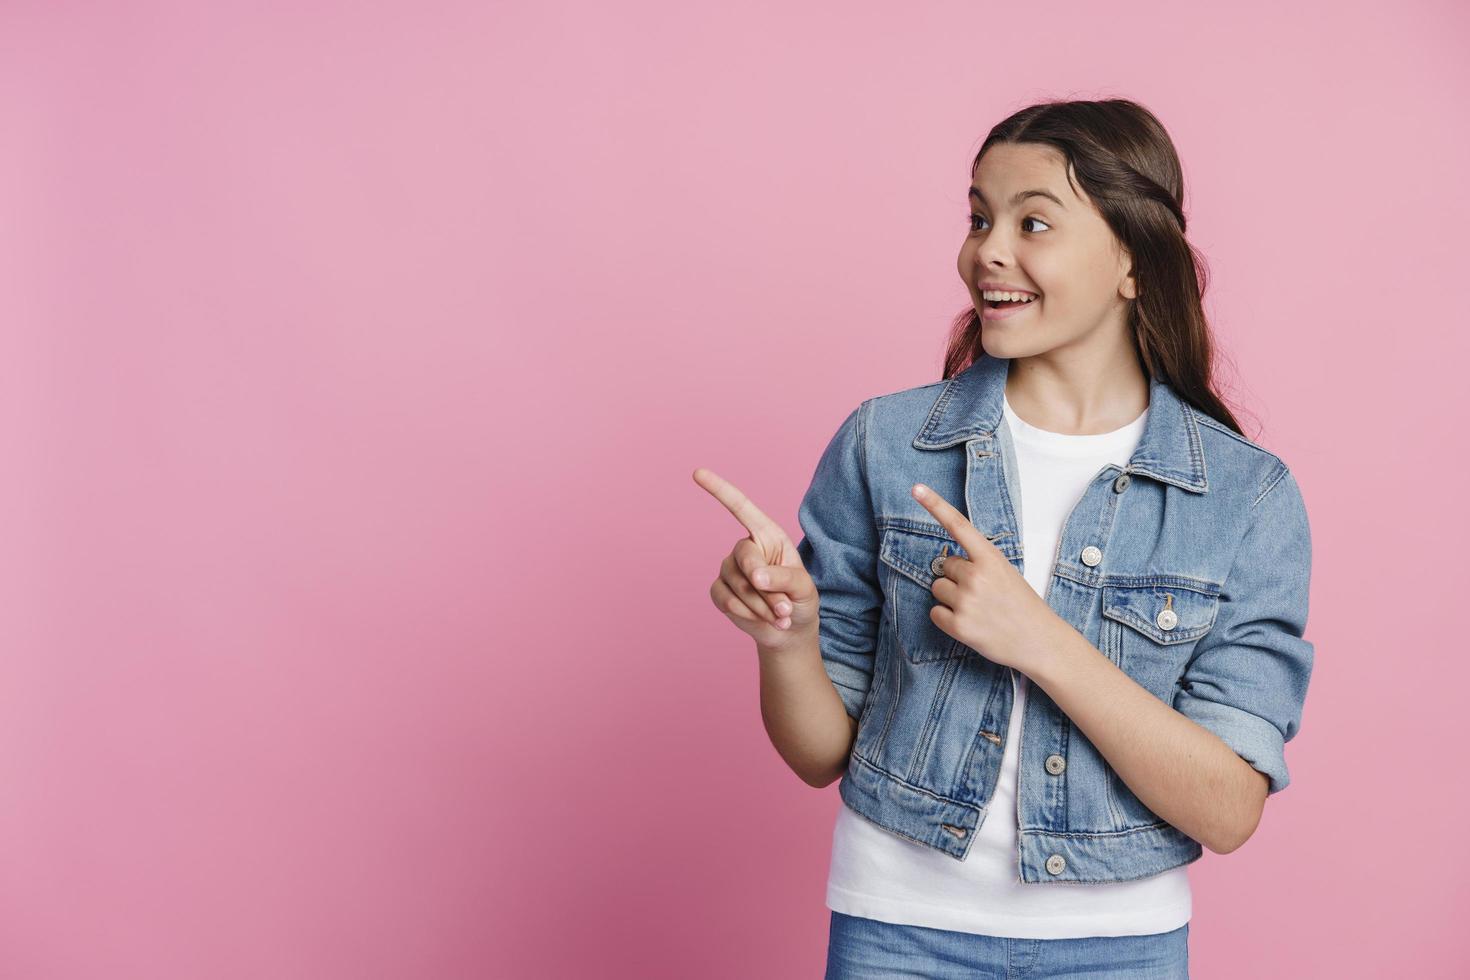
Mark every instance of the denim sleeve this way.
pixel 1247 680
pixel 839 549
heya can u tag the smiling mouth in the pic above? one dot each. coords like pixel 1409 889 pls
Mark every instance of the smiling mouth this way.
pixel 1004 310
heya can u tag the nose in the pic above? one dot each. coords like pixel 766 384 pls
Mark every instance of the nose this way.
pixel 994 252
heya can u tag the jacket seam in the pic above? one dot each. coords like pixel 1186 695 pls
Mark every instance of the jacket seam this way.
pixel 950 801
pixel 1271 483
pixel 1214 423
pixel 869 762
pixel 1126 831
pixel 864 409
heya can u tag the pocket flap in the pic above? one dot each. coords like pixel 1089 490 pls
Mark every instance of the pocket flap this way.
pixel 911 552
pixel 1147 609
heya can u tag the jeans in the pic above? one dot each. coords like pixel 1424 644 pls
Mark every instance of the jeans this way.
pixel 867 949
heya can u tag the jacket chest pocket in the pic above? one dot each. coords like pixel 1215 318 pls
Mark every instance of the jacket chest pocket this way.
pixel 1150 629
pixel 909 557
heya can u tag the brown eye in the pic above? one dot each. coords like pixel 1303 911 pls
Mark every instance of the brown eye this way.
pixel 973 217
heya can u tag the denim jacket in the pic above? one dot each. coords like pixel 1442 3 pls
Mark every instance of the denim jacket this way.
pixel 1188 568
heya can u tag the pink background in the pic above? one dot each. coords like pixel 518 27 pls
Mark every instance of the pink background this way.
pixel 356 358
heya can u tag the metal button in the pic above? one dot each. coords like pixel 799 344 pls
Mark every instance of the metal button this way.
pixel 1055 765
pixel 1121 483
pixel 1167 618
pixel 1056 864
pixel 936 565
pixel 1091 556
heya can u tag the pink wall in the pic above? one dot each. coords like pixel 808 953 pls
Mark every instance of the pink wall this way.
pixel 355 362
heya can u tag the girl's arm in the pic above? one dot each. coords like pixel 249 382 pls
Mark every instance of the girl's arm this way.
pixel 811 699
pixel 804 717
pixel 1207 763
pixel 1176 768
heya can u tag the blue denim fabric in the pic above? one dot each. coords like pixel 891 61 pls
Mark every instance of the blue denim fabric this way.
pixel 866 949
pixel 1188 568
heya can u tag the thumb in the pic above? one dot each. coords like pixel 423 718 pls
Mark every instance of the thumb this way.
pixel 790 579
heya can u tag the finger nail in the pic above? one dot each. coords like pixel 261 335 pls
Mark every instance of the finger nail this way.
pixel 783 608
pixel 920 489
pixel 761 578
pixel 783 623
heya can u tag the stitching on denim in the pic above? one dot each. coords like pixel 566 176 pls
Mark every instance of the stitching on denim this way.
pixel 893 522
pixel 1061 784
pixel 1220 427
pixel 1157 580
pixel 873 694
pixel 896 666
pixel 1270 484
pixel 862 440
pixel 953 651
pixel 914 786
pixel 927 529
pixel 862 433
pixel 1130 581
pixel 1196 445
pixel 1099 834
pixel 930 732
pixel 937 412
pixel 968 761
pixel 1180 634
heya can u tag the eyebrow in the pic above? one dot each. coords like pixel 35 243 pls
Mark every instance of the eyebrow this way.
pixel 1017 199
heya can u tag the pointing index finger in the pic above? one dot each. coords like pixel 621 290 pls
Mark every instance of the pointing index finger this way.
pixel 952 520
pixel 737 503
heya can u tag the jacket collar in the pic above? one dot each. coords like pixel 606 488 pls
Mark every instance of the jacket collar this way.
pixel 969 407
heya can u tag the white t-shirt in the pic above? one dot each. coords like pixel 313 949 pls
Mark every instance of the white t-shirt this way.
pixel 879 875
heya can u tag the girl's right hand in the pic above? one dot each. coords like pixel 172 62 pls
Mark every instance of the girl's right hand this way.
pixel 762 587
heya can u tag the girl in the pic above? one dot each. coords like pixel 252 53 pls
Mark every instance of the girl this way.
pixel 1046 619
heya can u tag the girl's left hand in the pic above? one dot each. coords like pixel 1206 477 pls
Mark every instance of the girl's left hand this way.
pixel 983 601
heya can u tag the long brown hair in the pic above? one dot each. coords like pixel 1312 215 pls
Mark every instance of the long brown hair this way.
pixel 1127 164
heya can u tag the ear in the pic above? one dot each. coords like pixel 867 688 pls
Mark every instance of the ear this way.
pixel 1128 286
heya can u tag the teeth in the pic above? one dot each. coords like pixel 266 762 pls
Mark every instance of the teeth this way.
pixel 995 294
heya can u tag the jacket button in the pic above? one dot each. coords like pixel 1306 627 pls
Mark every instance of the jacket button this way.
pixel 1091 556
pixel 936 564
pixel 1056 765
pixel 1056 864
pixel 1121 483
pixel 1167 619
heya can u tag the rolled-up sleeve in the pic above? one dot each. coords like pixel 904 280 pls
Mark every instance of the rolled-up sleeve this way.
pixel 839 548
pixel 1247 680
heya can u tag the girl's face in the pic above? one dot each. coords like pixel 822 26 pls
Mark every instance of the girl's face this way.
pixel 1053 244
